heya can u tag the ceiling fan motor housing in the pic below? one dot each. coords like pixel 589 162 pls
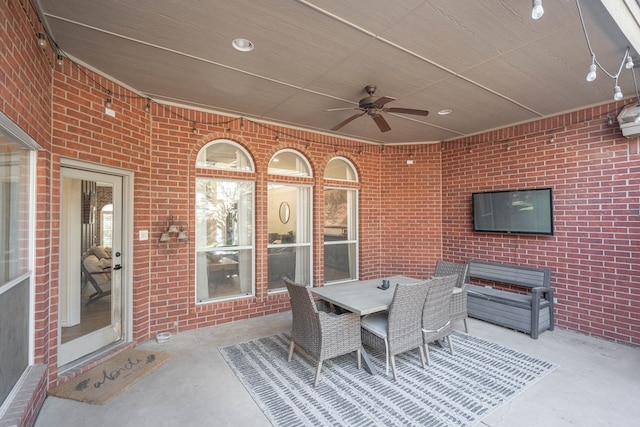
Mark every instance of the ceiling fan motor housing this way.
pixel 369 102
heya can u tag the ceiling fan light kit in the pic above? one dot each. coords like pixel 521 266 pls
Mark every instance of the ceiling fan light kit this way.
pixel 374 106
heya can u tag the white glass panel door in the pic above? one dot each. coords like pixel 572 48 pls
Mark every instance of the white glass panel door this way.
pixel 90 268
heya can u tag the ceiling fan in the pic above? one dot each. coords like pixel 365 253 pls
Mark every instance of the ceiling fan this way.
pixel 374 106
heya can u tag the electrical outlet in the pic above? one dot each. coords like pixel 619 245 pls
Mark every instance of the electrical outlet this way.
pixel 487 286
pixel 175 324
pixel 143 235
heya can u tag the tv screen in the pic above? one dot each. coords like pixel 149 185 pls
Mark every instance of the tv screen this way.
pixel 513 211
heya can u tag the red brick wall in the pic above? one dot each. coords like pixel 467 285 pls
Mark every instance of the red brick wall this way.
pixel 25 98
pixel 410 204
pixel 82 131
pixel 594 254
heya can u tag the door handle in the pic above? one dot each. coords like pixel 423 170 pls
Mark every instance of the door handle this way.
pixel 117 267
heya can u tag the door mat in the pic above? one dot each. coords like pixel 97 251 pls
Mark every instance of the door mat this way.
pixel 105 381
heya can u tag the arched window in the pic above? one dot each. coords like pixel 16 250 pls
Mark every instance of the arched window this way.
pixel 340 222
pixel 340 169
pixel 224 155
pixel 224 223
pixel 289 220
pixel 289 163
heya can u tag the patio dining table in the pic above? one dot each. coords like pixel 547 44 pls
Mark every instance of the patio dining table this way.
pixel 362 297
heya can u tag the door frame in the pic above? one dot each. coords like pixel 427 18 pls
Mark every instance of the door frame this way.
pixel 127 177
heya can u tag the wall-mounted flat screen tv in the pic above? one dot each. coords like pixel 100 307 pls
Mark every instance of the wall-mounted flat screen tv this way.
pixel 513 211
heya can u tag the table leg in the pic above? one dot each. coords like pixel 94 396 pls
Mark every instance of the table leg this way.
pixel 368 365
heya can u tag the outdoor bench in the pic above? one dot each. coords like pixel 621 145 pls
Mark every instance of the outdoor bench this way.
pixel 529 311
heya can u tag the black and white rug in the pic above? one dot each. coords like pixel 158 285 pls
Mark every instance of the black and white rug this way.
pixel 456 390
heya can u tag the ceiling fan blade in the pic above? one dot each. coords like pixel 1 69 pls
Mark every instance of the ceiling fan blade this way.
pixel 381 122
pixel 407 111
pixel 349 120
pixel 383 100
pixel 342 109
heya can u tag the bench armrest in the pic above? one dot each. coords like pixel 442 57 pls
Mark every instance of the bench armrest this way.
pixel 543 291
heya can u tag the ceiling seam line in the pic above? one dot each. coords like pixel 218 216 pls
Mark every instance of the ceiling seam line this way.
pixel 453 73
pixel 409 52
pixel 166 49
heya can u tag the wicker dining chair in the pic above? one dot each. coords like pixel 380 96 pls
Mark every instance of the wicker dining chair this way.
pixel 322 335
pixel 458 304
pixel 399 329
pixel 436 322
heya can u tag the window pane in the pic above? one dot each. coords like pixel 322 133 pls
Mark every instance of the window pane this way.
pixel 289 228
pixel 340 234
pixel 224 274
pixel 340 215
pixel 224 155
pixel 14 209
pixel 338 168
pixel 339 262
pixel 224 213
pixel 106 225
pixel 224 238
pixel 17 157
pixel 336 214
pixel 289 163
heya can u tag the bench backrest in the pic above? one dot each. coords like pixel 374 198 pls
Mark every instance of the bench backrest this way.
pixel 528 277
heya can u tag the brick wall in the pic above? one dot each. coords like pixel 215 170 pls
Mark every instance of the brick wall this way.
pixel 594 254
pixel 410 203
pixel 25 98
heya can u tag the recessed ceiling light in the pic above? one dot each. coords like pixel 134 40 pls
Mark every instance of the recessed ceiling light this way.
pixel 243 45
pixel 445 111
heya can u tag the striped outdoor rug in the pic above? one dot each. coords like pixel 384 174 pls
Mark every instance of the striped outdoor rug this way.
pixel 455 390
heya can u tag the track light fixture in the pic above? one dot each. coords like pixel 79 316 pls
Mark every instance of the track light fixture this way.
pixel 42 40
pixel 537 11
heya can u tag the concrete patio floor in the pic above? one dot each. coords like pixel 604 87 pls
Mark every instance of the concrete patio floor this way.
pixel 597 383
